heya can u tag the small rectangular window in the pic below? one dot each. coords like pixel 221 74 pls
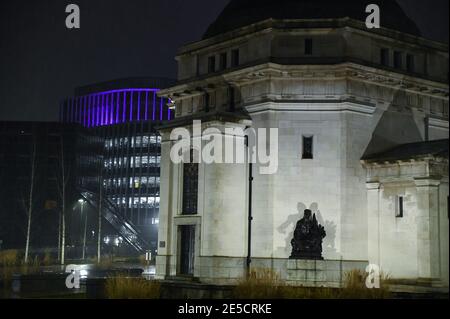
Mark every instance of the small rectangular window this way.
pixel 235 58
pixel 223 61
pixel 400 207
pixel 410 63
pixel 384 57
pixel 398 59
pixel 197 65
pixel 212 64
pixel 308 46
pixel 307 152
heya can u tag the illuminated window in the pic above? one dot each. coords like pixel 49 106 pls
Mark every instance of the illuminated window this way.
pixel 137 183
pixel 145 141
pixel 138 142
pixel 136 202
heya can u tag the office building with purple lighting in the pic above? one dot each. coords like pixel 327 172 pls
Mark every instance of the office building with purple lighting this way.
pixel 124 114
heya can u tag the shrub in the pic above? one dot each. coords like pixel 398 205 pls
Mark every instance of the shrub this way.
pixel 260 284
pixel 48 258
pixel 131 288
pixel 9 258
pixel 106 262
pixel 266 284
pixel 355 287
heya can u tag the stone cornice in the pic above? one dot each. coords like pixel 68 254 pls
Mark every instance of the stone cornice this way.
pixel 428 181
pixel 424 160
pixel 406 171
pixel 311 106
pixel 347 71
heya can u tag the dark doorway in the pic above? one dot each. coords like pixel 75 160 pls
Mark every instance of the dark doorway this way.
pixel 186 248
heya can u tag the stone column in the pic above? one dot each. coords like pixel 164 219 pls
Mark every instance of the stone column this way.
pixel 428 229
pixel 373 211
pixel 165 215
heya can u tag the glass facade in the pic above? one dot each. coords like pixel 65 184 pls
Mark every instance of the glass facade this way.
pixel 125 120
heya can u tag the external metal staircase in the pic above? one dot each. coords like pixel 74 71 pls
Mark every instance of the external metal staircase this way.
pixel 112 214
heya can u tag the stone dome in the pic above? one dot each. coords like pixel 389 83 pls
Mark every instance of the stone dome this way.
pixel 240 13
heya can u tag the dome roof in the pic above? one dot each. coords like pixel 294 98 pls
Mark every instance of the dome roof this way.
pixel 240 13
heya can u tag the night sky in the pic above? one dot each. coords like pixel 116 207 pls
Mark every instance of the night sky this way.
pixel 41 61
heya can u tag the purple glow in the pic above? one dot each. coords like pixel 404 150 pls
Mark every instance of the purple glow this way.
pixel 117 108
pixel 154 106
pixel 71 110
pixel 100 110
pixel 97 117
pixel 108 108
pixel 124 106
pixel 89 111
pixel 139 107
pixel 146 106
pixel 111 114
pixel 93 111
pixel 75 110
pixel 161 109
pixel 131 107
pixel 84 111
pixel 79 109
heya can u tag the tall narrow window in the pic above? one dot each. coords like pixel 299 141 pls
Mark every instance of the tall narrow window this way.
pixel 398 59
pixel 307 152
pixel 308 46
pixel 384 57
pixel 207 101
pixel 190 186
pixel 212 64
pixel 197 65
pixel 235 58
pixel 410 63
pixel 400 207
pixel 231 97
pixel 223 61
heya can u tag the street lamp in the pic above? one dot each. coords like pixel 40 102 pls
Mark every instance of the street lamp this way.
pixel 82 202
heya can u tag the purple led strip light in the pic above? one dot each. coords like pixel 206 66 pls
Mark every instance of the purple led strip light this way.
pixel 146 106
pixel 117 108
pixel 131 107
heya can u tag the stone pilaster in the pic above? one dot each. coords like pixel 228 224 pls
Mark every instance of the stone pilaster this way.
pixel 165 210
pixel 373 210
pixel 428 229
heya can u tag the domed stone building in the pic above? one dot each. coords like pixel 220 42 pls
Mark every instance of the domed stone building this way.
pixel 362 119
